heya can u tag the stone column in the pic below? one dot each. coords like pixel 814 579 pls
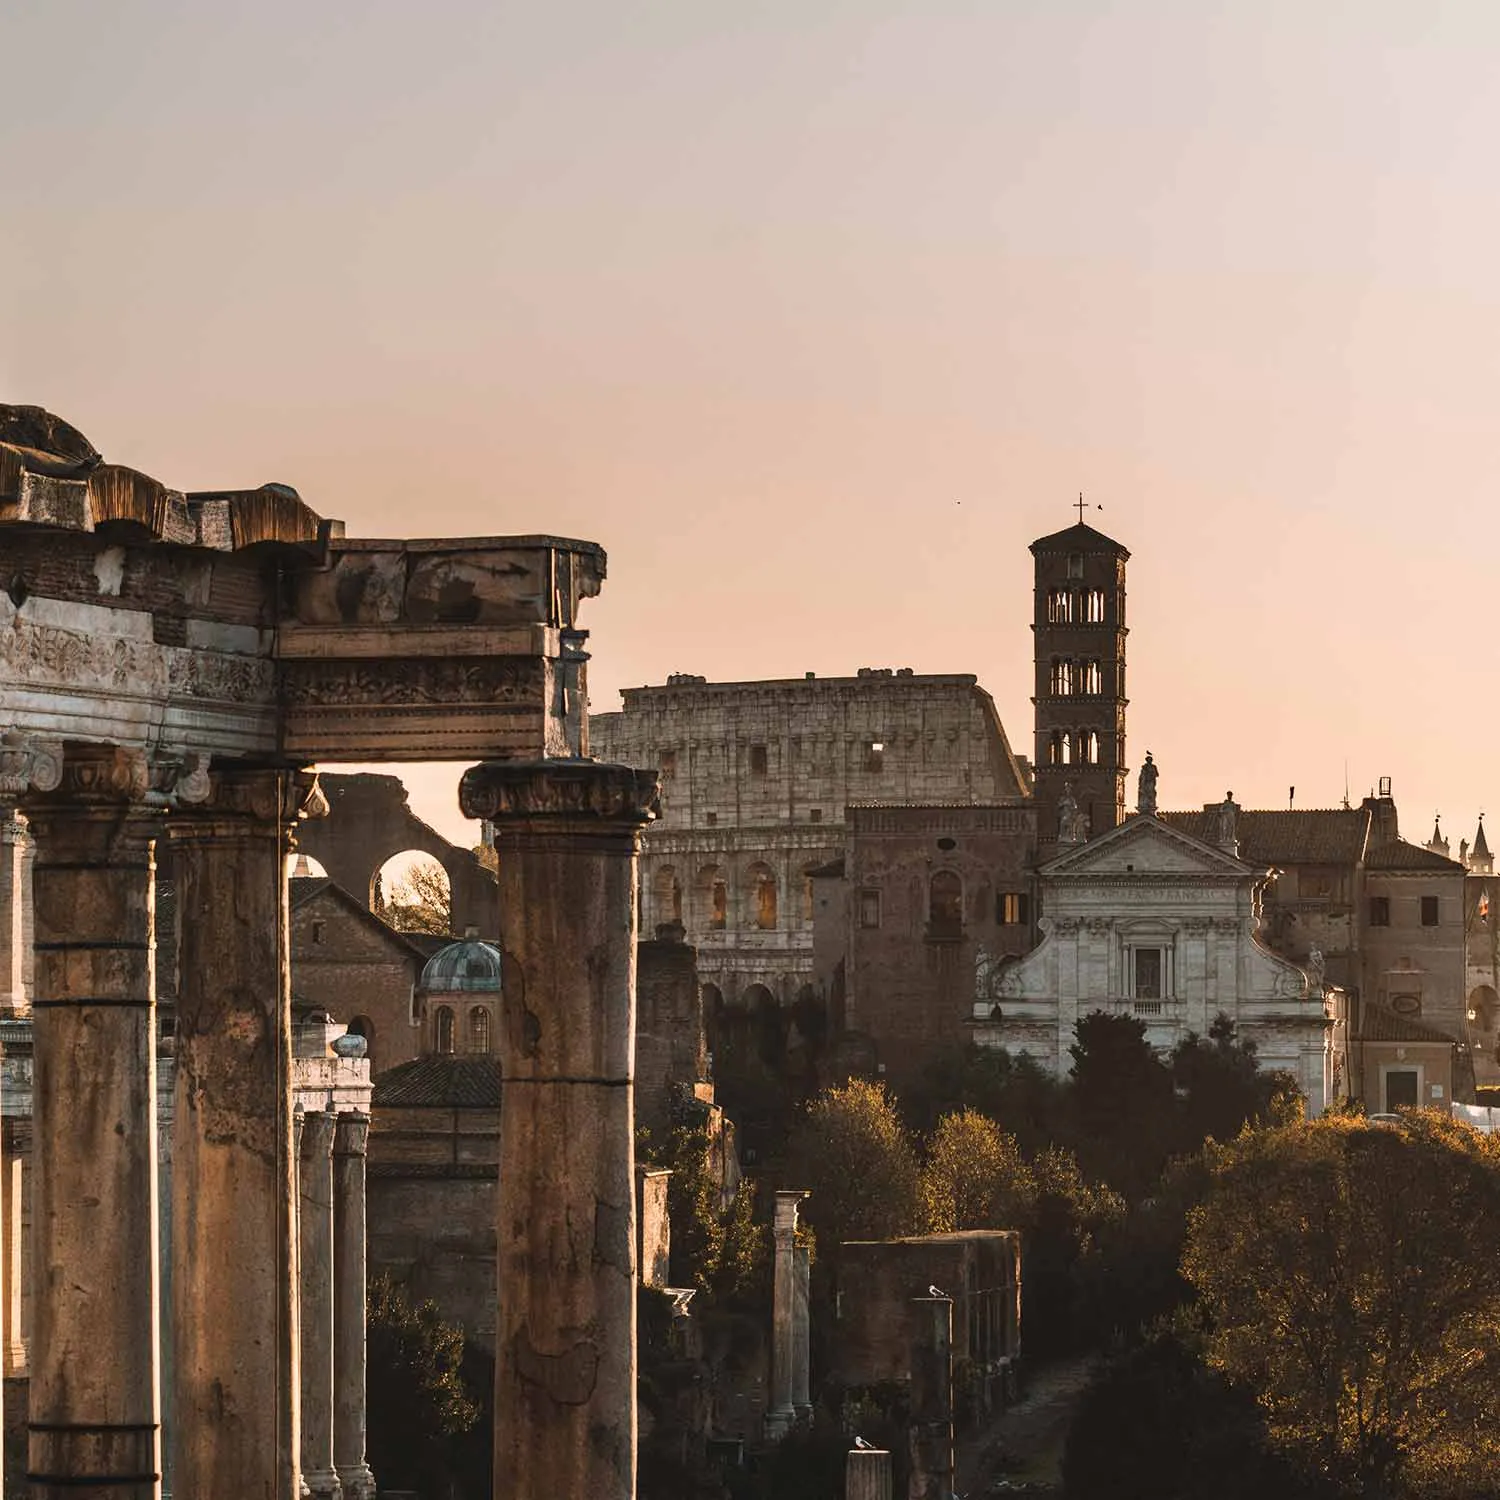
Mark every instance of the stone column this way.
pixel 351 1133
pixel 568 835
pixel 95 1392
pixel 17 1143
pixel 867 1474
pixel 801 1332
pixel 782 1412
pixel 930 1436
pixel 15 911
pixel 236 1388
pixel 316 1275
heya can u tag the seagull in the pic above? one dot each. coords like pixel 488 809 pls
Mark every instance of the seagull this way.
pixel 936 1291
pixel 860 1443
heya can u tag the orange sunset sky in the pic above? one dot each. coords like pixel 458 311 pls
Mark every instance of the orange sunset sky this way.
pixel 814 313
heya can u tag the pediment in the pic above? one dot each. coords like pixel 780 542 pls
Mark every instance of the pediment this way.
pixel 1146 845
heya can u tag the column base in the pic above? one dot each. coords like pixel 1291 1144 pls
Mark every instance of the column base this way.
pixel 779 1422
pixel 324 1484
pixel 357 1482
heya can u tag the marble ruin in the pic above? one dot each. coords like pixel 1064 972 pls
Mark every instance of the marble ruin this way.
pixel 171 668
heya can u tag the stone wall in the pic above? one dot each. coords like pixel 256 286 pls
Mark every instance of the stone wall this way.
pixel 756 777
pixel 671 1047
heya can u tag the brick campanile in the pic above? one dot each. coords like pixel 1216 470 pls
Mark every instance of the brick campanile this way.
pixel 1079 642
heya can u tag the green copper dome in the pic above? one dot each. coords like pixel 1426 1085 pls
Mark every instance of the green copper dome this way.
pixel 467 966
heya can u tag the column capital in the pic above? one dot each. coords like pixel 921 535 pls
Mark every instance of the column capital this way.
pixel 235 798
pixel 788 1201
pixel 28 764
pixel 588 791
pixel 351 1132
pixel 317 1134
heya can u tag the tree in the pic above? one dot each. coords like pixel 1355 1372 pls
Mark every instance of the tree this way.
pixel 1346 1270
pixel 1123 1101
pixel 1220 1086
pixel 418 1400
pixel 419 901
pixel 851 1151
pixel 975 1177
pixel 1016 1092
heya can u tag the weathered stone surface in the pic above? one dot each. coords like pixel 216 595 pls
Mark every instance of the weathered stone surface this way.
pixel 565 1227
pixel 234 1318
pixel 94 1395
pixel 867 1474
pixel 317 1278
pixel 350 1139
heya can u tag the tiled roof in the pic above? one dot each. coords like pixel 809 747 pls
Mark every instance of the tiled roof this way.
pixel 440 1083
pixel 1080 538
pixel 1377 1024
pixel 1296 836
pixel 1399 855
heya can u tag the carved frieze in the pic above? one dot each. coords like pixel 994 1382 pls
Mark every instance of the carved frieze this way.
pixel 494 680
pixel 546 789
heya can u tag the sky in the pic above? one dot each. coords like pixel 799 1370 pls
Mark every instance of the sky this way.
pixel 814 313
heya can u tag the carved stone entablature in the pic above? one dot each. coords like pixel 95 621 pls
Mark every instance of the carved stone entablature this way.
pixel 591 789
pixel 268 795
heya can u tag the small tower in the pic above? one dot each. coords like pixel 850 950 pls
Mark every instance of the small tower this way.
pixel 1078 634
pixel 1481 861
pixel 1437 843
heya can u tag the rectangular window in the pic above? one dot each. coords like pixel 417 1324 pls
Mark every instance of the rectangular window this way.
pixel 1400 1089
pixel 1380 911
pixel 815 815
pixel 1075 565
pixel 869 908
pixel 1429 911
pixel 666 761
pixel 1148 975
pixel 711 819
pixel 874 755
pixel 1014 909
pixel 757 760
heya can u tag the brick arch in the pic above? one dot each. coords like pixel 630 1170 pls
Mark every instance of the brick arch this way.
pixel 369 820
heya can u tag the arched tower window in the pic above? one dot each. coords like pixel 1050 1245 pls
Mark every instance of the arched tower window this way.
pixel 442 1024
pixel 479 1029
pixel 945 905
pixel 1089 679
pixel 1088 747
pixel 1062 677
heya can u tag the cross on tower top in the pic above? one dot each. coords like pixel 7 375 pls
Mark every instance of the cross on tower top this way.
pixel 1082 505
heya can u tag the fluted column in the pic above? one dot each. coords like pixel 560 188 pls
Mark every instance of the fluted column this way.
pixel 350 1137
pixel 236 1386
pixel 95 1395
pixel 15 911
pixel 568 835
pixel 17 1143
pixel 316 1275
pixel 782 1412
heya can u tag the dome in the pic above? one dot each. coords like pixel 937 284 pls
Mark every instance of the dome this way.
pixel 466 966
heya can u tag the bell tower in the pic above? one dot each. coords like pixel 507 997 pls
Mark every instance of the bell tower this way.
pixel 1078 633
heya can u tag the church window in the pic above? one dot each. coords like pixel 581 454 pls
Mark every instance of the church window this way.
pixel 1014 909
pixel 1075 565
pixel 1429 911
pixel 1148 973
pixel 1055 748
pixel 758 760
pixel 1060 607
pixel 1090 680
pixel 479 1029
pixel 1093 607
pixel 945 906
pixel 869 908
pixel 1380 911
pixel 1062 677
pixel 1087 745
pixel 442 1021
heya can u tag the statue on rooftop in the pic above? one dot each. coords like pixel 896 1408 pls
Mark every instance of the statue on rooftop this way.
pixel 1145 796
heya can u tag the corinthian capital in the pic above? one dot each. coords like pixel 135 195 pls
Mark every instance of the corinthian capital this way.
pixel 590 789
pixel 28 765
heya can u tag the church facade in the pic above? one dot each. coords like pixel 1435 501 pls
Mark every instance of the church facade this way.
pixel 1148 921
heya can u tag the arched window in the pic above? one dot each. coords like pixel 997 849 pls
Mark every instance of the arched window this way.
pixel 1055 748
pixel 442 1023
pixel 668 895
pixel 945 905
pixel 712 898
pixel 1062 677
pixel 1089 678
pixel 479 1029
pixel 1088 747
pixel 762 897
pixel 1093 607
pixel 1060 607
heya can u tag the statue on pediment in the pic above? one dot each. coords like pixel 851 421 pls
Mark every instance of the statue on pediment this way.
pixel 1145 795
pixel 1072 821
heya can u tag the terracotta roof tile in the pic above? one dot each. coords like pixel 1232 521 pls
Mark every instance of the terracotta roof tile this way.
pixel 440 1083
pixel 1377 1024
pixel 1399 855
pixel 1296 836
